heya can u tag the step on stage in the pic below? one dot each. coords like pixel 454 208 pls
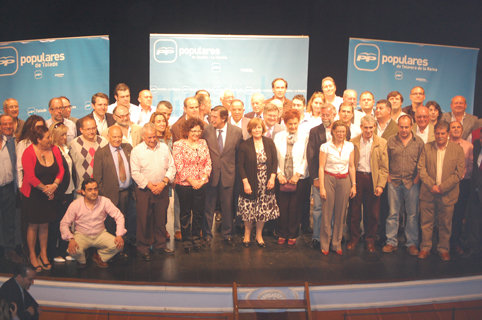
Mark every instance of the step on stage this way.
pixel 201 281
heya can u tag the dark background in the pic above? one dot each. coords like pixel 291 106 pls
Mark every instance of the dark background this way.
pixel 329 24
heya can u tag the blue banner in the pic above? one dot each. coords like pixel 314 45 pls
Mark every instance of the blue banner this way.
pixel 35 71
pixel 384 66
pixel 182 64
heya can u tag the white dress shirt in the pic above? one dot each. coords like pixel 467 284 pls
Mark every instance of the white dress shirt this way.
pixel 151 165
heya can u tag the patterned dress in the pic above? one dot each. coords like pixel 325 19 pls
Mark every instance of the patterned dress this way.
pixel 264 207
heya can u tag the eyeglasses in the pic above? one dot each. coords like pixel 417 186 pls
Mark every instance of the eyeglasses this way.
pixel 57 108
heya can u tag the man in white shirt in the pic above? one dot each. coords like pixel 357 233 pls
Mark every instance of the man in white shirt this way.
pixel 131 132
pixel 367 101
pixel 145 107
pixel 371 163
pixel 385 127
pixel 122 95
pixel 103 120
pixel 237 114
pixel 422 127
pixel 56 109
pixel 152 168
pixel 458 105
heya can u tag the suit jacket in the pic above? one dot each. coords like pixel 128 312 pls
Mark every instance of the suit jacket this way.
pixel 108 117
pixel 13 158
pixel 176 128
pixel 431 132
pixel 453 170
pixel 390 130
pixel 250 115
pixel 316 138
pixel 105 172
pixel 476 179
pixel 247 164
pixel 378 159
pixel 10 291
pixel 470 123
pixel 223 163
pixel 277 128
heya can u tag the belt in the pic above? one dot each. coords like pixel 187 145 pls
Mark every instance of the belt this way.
pixel 364 173
pixel 337 175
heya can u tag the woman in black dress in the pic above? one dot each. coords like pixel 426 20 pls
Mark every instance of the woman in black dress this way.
pixel 43 172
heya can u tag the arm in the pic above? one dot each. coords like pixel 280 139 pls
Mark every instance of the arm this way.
pixel 422 172
pixel 299 159
pixel 382 170
pixel 457 173
pixel 97 169
pixel 207 163
pixel 352 173
pixel 241 158
pixel 321 174
pixel 274 164
pixel 117 215
pixel 140 180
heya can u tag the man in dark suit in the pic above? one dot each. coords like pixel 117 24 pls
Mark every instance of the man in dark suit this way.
pixel 271 115
pixel 15 290
pixel 441 168
pixel 223 140
pixel 191 110
pixel 103 120
pixel 112 172
pixel 8 182
pixel 316 138
pixel 474 215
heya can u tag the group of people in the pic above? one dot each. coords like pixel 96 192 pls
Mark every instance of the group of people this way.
pixel 325 166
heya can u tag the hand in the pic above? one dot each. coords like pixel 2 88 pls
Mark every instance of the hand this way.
pixel 323 193
pixel 247 188
pixel 49 189
pixel 73 246
pixel 378 191
pixel 282 179
pixel 353 192
pixel 270 184
pixel 436 189
pixel 196 184
pixel 31 310
pixel 119 242
pixel 416 180
pixel 294 179
pixel 389 179
pixel 316 183
pixel 13 309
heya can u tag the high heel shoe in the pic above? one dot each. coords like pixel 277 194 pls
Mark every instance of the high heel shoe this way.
pixel 261 244
pixel 46 266
pixel 246 244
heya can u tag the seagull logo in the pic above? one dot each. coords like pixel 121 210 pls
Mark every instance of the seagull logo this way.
pixel 5 61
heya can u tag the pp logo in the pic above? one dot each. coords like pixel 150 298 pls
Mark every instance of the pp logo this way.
pixel 165 51
pixel 366 57
pixel 8 61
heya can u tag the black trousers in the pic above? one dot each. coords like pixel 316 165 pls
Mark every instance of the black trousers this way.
pixel 191 213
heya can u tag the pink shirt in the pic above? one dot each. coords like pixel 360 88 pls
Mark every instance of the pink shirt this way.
pixel 90 222
pixel 191 162
pixel 468 152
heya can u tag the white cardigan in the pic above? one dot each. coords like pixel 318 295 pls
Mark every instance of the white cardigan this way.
pixel 300 165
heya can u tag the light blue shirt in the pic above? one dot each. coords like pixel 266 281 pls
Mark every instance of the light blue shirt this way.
pixel 127 183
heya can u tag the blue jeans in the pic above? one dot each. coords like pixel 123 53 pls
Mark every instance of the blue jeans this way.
pixel 316 213
pixel 396 196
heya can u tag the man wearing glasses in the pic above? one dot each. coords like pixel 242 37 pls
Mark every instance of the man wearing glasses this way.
pixel 56 109
pixel 131 132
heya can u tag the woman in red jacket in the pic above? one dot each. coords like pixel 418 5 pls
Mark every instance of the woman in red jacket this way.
pixel 43 171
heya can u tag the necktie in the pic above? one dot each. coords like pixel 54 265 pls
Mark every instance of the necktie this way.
pixel 220 140
pixel 122 168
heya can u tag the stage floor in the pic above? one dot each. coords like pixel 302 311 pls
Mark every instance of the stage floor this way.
pixel 277 265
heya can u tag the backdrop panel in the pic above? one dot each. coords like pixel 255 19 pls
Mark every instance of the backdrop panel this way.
pixel 35 71
pixel 182 64
pixel 384 66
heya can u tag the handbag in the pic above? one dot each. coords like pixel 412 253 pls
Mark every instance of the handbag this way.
pixel 287 187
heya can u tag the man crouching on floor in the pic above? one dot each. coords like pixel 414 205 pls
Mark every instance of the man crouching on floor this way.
pixel 88 214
